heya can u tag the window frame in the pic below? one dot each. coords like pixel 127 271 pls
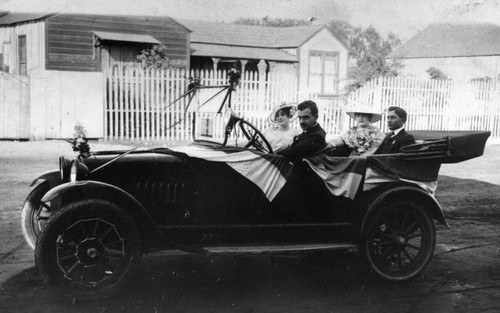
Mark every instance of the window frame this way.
pixel 323 56
pixel 22 55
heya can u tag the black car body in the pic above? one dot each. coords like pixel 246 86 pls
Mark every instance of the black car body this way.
pixel 91 220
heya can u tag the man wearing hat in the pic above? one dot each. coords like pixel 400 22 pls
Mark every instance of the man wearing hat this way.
pixel 398 137
pixel 312 138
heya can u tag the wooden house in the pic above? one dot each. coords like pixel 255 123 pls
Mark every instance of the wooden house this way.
pixel 85 43
pixel 316 56
pixel 460 51
pixel 64 56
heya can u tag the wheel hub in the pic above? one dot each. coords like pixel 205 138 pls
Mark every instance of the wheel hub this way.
pixel 90 252
pixel 400 240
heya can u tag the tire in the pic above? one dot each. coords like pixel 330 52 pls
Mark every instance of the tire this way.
pixel 399 240
pixel 32 222
pixel 88 250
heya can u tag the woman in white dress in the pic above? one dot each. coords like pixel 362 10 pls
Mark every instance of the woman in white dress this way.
pixel 280 135
pixel 363 138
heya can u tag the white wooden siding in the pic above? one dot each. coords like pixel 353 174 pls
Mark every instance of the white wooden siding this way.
pixel 14 106
pixel 62 99
pixel 35 45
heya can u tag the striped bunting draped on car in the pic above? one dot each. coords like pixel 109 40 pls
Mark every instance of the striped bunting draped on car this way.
pixel 268 171
pixel 341 175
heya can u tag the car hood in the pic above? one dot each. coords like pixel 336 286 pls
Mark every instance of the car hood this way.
pixel 102 159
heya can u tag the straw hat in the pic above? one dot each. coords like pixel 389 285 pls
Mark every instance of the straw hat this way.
pixel 272 117
pixel 365 109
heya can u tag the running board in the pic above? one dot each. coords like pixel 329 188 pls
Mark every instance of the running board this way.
pixel 279 248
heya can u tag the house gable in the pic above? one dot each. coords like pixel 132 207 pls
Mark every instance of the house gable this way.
pixel 324 46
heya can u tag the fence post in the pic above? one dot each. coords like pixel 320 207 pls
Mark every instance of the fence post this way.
pixel 262 84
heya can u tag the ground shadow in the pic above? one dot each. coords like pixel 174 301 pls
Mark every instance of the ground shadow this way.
pixel 285 282
pixel 218 283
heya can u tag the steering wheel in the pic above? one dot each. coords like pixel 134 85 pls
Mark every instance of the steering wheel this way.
pixel 255 137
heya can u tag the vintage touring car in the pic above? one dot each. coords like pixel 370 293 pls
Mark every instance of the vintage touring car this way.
pixel 91 220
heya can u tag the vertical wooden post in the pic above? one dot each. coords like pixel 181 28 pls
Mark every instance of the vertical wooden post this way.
pixel 262 66
pixel 243 65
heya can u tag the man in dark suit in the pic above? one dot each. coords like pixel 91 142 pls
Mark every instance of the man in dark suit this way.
pixel 398 137
pixel 312 138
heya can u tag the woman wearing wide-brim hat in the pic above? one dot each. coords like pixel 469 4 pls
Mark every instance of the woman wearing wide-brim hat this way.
pixel 363 138
pixel 280 135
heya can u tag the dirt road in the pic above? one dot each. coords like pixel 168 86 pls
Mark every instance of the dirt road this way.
pixel 464 275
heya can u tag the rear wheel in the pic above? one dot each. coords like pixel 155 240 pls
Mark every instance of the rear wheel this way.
pixel 34 215
pixel 399 240
pixel 88 249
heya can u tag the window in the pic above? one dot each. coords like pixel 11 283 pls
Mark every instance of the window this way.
pixel 23 69
pixel 323 72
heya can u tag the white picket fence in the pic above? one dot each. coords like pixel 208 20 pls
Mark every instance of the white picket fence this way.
pixel 436 104
pixel 144 105
pixel 147 105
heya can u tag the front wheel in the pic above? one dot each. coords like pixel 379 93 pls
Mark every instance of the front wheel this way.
pixel 88 250
pixel 34 214
pixel 399 241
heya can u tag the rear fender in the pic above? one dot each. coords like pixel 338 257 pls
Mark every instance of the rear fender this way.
pixel 428 202
pixel 81 190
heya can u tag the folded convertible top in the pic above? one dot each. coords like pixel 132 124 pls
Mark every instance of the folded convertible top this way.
pixel 446 146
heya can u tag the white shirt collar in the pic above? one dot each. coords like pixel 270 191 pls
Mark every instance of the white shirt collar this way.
pixel 396 131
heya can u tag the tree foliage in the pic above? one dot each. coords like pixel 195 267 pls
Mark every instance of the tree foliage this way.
pixel 369 50
pixel 436 73
pixel 155 57
pixel 275 22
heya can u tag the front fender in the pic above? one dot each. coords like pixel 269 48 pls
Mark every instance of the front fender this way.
pixel 430 203
pixel 81 190
pixel 52 177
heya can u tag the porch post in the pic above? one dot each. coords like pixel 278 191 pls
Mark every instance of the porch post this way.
pixel 216 61
pixel 243 65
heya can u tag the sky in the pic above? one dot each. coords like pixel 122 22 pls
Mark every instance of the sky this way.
pixel 401 17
